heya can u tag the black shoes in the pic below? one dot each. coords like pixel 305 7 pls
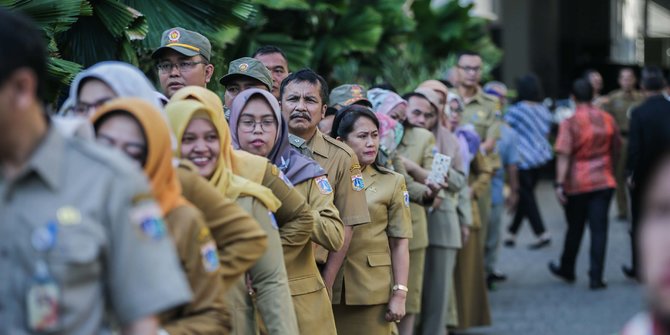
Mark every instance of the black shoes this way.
pixel 510 243
pixel 629 272
pixel 597 285
pixel 493 278
pixel 541 243
pixel 558 272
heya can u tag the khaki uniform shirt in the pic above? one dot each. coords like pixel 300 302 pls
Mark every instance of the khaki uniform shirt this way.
pixel 418 145
pixel 620 103
pixel 328 228
pixel 341 165
pixel 483 112
pixel 307 288
pixel 480 179
pixel 367 271
pixel 196 248
pixel 239 238
pixel 269 282
pixel 101 206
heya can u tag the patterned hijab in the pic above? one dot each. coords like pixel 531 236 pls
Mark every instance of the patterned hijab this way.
pixel 297 167
pixel 383 101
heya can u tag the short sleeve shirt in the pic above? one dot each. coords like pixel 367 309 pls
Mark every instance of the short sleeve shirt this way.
pixel 589 137
pixel 344 174
pixel 86 213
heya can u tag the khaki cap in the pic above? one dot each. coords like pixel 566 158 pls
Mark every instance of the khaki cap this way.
pixel 250 68
pixel 186 42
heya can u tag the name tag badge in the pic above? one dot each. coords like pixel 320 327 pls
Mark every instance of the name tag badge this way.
pixel 42 301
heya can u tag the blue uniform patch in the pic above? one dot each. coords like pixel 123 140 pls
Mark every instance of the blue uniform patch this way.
pixel 323 184
pixel 405 195
pixel 147 217
pixel 273 220
pixel 210 259
pixel 357 182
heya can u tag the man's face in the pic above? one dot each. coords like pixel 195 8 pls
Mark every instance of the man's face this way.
pixel 469 70
pixel 302 106
pixel 185 71
pixel 627 80
pixel 239 84
pixel 17 95
pixel 655 243
pixel 420 113
pixel 278 67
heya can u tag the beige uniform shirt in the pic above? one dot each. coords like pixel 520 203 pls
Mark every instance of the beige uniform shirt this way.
pixel 343 170
pixel 328 228
pixel 619 105
pixel 107 236
pixel 418 145
pixel 206 313
pixel 483 112
pixel 239 238
pixel 269 282
pixel 367 272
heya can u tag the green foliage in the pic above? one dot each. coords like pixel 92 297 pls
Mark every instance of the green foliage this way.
pixel 366 41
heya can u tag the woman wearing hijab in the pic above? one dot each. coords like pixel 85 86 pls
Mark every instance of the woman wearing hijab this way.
pixel 202 139
pixel 370 289
pixel 137 129
pixel 257 126
pixel 239 238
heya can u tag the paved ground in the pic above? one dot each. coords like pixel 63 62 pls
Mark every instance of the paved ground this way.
pixel 534 302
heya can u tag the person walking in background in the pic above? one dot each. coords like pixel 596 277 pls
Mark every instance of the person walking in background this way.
pixel 532 122
pixel 587 146
pixel 619 104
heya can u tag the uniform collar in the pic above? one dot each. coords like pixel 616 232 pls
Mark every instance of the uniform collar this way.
pixel 47 158
pixel 318 144
pixel 478 97
pixel 368 175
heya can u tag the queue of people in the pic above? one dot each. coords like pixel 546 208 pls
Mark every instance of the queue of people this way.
pixel 286 207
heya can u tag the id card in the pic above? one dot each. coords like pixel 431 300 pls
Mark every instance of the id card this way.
pixel 440 168
pixel 42 304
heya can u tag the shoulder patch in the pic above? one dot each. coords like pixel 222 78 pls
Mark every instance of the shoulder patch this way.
pixel 148 220
pixel 210 259
pixel 357 182
pixel 323 184
pixel 405 196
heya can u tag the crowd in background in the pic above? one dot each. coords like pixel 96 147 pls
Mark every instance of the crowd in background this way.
pixel 288 207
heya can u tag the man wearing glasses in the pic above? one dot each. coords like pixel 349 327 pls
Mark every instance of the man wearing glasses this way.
pixel 183 60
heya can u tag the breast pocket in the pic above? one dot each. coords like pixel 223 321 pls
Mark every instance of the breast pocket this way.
pixel 77 255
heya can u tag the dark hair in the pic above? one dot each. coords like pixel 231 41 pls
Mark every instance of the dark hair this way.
pixel 587 73
pixel 409 95
pixel 309 76
pixel 446 83
pixel 385 86
pixel 24 48
pixel 652 78
pixel 345 118
pixel 269 49
pixel 330 111
pixel 528 88
pixel 466 53
pixel 582 90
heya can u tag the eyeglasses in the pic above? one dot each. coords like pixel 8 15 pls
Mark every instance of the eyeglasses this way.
pixel 470 68
pixel 249 125
pixel 82 108
pixel 185 66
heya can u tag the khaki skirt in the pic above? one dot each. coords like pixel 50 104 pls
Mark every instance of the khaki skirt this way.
pixel 363 320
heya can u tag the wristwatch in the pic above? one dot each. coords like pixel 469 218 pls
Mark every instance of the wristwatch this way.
pixel 400 287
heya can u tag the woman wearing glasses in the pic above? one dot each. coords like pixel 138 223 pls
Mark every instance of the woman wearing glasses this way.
pixel 257 127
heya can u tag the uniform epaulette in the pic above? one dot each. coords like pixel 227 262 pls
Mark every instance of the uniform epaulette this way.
pixel 339 144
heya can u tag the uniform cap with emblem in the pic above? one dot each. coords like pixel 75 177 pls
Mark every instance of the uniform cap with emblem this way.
pixel 186 42
pixel 249 68
pixel 345 95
